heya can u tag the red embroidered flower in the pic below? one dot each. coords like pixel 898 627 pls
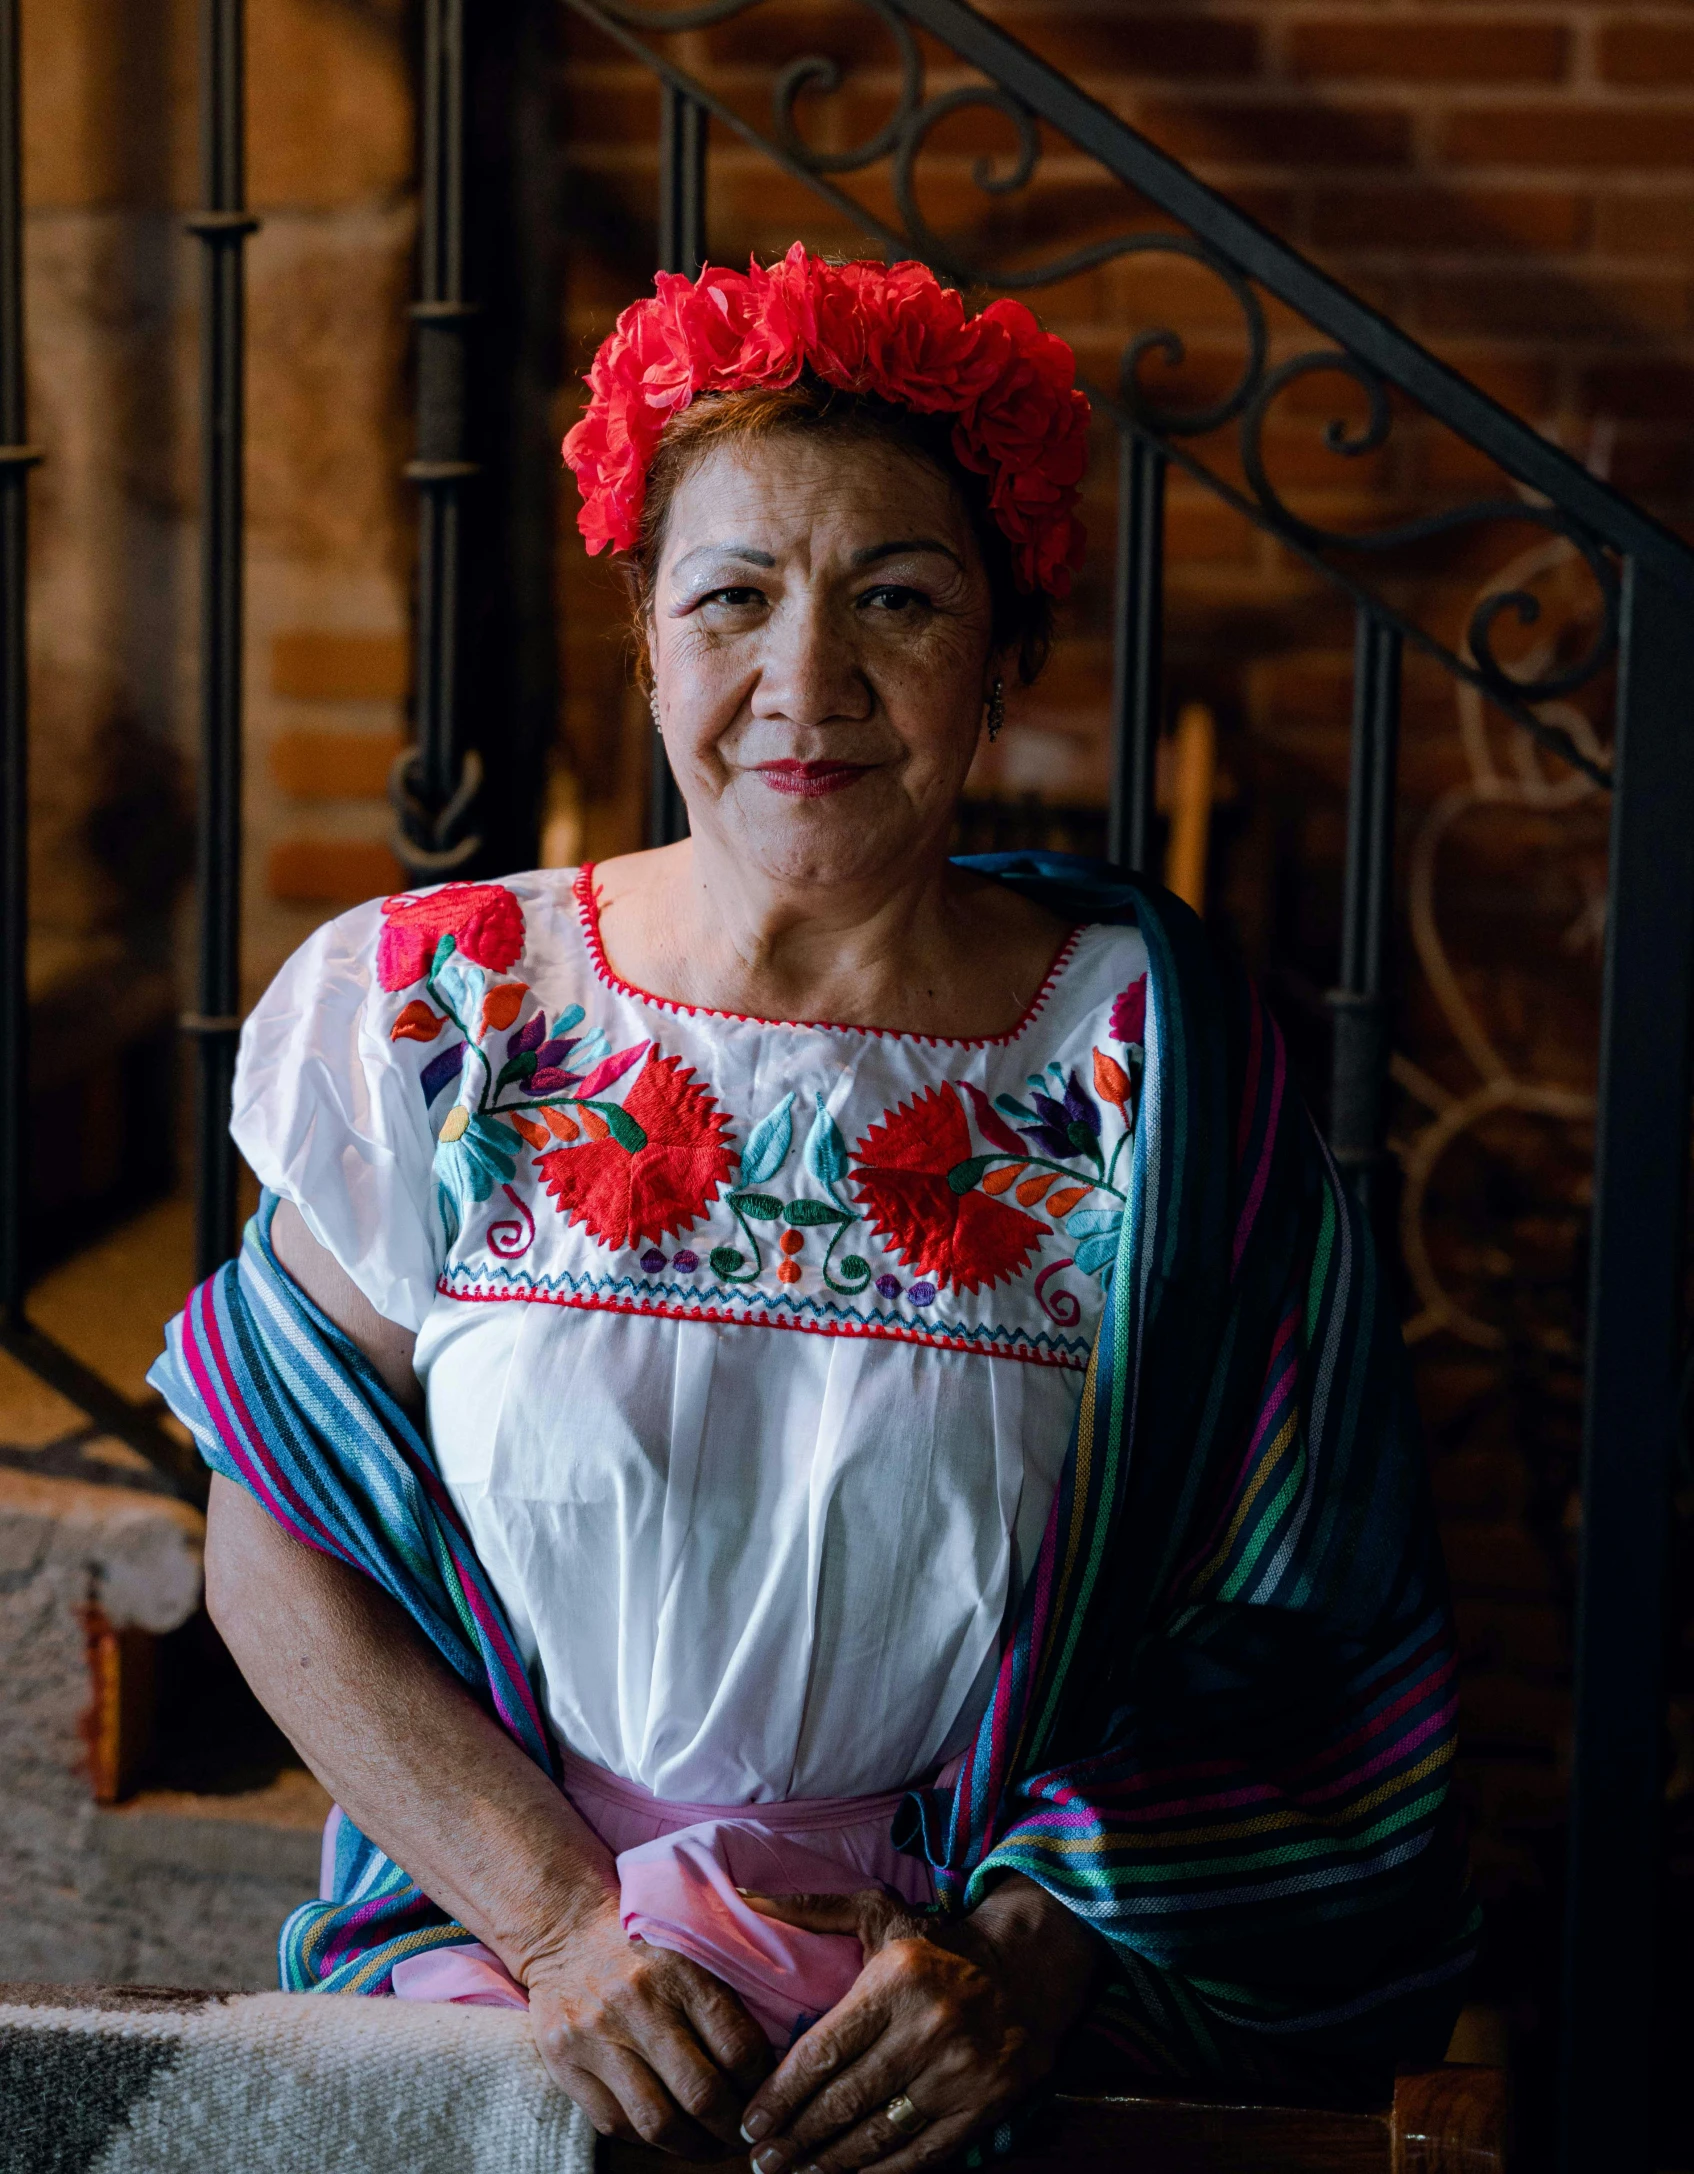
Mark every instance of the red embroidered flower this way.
pixel 1128 1022
pixel 900 1176
pixel 892 330
pixel 484 920
pixel 625 1194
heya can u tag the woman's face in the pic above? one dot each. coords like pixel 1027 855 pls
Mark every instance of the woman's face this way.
pixel 820 643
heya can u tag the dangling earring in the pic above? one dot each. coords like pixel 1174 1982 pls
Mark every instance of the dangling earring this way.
pixel 653 706
pixel 996 708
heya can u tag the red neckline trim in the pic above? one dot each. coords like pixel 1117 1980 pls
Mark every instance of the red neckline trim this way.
pixel 588 917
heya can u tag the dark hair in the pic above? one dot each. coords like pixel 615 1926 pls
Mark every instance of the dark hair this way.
pixel 1021 623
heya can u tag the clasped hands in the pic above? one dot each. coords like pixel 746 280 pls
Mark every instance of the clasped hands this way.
pixel 962 2018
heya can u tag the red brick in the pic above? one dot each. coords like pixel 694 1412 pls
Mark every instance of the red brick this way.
pixel 1510 51
pixel 1659 391
pixel 1542 308
pixel 1572 135
pixel 1111 42
pixel 1453 218
pixel 1278 134
pixel 331 871
pixel 333 765
pixel 618 106
pixel 324 667
pixel 1642 225
pixel 1647 54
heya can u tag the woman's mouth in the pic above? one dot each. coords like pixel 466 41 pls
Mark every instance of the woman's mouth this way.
pixel 810 780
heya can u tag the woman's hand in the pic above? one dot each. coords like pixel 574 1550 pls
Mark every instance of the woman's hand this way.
pixel 962 2019
pixel 648 2044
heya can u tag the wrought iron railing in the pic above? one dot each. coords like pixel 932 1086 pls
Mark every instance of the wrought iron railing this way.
pixel 1637 661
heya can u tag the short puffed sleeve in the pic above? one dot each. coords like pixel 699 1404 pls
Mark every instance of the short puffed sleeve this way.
pixel 328 1112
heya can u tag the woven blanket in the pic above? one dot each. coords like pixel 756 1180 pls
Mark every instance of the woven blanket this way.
pixel 141 2081
pixel 1224 1721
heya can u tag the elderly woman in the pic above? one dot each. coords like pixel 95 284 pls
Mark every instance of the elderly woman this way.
pixel 806 1436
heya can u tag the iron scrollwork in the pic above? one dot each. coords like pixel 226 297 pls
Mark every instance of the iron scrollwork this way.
pixel 1339 555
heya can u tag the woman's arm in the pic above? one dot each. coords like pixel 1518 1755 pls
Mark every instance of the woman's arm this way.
pixel 641 2038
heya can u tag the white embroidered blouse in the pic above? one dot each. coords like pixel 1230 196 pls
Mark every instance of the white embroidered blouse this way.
pixel 750 1349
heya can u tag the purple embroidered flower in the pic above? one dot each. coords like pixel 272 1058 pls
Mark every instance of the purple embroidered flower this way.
pixel 550 1052
pixel 685 1262
pixel 889 1286
pixel 1051 1132
pixel 652 1261
pixel 922 1294
pixel 550 1080
pixel 528 1037
pixel 1080 1106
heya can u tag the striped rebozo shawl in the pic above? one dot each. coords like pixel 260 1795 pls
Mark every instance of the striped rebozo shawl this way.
pixel 1224 1720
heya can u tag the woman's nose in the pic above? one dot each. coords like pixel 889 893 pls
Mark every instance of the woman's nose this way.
pixel 809 667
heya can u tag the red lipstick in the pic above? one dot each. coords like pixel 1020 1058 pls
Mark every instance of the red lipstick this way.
pixel 810 780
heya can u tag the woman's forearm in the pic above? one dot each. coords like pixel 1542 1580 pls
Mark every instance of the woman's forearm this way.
pixel 394 1736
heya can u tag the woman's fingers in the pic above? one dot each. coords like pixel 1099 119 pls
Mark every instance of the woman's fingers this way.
pixel 726 2030
pixel 878 2143
pixel 869 1915
pixel 807 2068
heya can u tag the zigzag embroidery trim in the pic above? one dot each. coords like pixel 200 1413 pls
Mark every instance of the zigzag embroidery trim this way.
pixel 711 1302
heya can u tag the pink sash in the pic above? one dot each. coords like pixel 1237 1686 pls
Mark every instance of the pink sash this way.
pixel 679 1868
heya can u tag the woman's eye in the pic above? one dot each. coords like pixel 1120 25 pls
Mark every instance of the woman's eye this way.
pixel 736 598
pixel 892 597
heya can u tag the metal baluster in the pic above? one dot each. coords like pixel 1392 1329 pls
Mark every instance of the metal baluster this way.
pixel 222 225
pixel 682 248
pixel 1635 1326
pixel 1138 657
pixel 16 460
pixel 1361 1022
pixel 434 784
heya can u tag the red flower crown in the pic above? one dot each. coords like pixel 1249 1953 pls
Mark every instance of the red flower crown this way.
pixel 888 329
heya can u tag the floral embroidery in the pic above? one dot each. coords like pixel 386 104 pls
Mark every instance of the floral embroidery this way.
pixel 965 1193
pixel 904 1170
pixel 826 1160
pixel 663 1160
pixel 1129 1014
pixel 484 920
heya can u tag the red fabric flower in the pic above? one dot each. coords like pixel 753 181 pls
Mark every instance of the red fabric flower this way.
pixel 659 1188
pixel 483 919
pixel 900 1177
pixel 1128 1022
pixel 891 330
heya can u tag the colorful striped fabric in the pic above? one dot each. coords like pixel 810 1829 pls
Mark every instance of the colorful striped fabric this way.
pixel 1223 1728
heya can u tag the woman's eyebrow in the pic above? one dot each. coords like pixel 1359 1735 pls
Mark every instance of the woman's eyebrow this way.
pixel 744 552
pixel 906 545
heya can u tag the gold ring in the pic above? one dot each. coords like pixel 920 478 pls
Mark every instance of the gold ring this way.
pixel 904 2115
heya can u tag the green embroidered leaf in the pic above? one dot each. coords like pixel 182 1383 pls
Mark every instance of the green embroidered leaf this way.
pixel 964 1175
pixel 620 1125
pixel 767 1149
pixel 826 1151
pixel 856 1266
pixel 807 1214
pixel 444 950
pixel 724 1260
pixel 518 1067
pixel 1082 1140
pixel 760 1206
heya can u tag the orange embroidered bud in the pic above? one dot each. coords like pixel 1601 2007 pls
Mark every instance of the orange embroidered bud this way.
pixel 535 1134
pixel 561 1124
pixel 1003 1179
pixel 788 1271
pixel 1062 1202
pixel 595 1125
pixel 1031 1190
pixel 1111 1081
pixel 500 1005
pixel 417 1023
